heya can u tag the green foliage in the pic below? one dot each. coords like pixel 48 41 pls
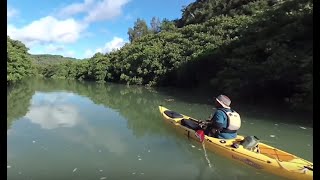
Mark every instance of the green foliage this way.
pixel 252 49
pixel 19 63
pixel 167 25
pixel 201 11
pixel 45 59
pixel 139 29
pixel 97 68
pixel 273 56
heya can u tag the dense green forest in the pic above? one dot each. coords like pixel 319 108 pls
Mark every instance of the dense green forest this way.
pixel 19 63
pixel 253 49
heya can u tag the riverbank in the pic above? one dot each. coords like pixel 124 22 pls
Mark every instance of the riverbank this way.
pixel 254 50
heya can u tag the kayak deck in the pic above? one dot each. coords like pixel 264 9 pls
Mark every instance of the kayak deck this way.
pixel 263 157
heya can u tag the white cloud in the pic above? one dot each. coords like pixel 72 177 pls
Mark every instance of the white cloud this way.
pixel 76 8
pixel 88 53
pixel 11 12
pixel 113 45
pixel 105 10
pixel 47 30
pixel 59 49
pixel 62 28
pixel 69 53
pixel 54 49
pixel 51 48
pixel 94 10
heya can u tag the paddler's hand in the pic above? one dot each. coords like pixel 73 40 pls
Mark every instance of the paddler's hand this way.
pixel 207 121
pixel 203 124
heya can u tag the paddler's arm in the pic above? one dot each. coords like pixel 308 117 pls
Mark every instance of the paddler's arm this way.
pixel 208 121
pixel 218 120
pixel 215 121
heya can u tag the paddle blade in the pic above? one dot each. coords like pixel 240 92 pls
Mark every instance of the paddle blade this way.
pixel 200 135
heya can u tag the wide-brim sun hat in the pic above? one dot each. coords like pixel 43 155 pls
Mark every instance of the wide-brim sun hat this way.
pixel 224 101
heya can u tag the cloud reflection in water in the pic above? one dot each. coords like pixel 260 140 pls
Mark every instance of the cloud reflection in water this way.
pixel 56 110
pixel 51 110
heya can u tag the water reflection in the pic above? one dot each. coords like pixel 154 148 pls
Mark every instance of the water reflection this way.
pixel 57 110
pixel 51 110
pixel 98 140
pixel 18 100
pixel 90 127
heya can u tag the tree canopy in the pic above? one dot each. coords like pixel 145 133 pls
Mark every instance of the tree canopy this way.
pixel 253 49
pixel 19 63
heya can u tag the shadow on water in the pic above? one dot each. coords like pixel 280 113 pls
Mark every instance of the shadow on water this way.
pixel 263 110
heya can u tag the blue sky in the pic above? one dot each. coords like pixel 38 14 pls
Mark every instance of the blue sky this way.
pixel 80 28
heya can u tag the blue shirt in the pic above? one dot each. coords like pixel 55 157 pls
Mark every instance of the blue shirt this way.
pixel 221 118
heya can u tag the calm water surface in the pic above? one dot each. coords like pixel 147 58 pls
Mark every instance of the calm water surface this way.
pixel 72 130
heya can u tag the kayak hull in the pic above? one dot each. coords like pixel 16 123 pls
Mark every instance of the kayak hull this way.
pixel 266 158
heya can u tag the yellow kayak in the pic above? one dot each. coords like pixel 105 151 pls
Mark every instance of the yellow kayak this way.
pixel 262 157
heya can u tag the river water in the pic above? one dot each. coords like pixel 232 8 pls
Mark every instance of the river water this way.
pixel 60 129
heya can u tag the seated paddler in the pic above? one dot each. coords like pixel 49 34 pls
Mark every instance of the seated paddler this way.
pixel 225 122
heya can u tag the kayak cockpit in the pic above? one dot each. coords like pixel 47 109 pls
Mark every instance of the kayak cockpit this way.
pixel 172 114
pixel 275 153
